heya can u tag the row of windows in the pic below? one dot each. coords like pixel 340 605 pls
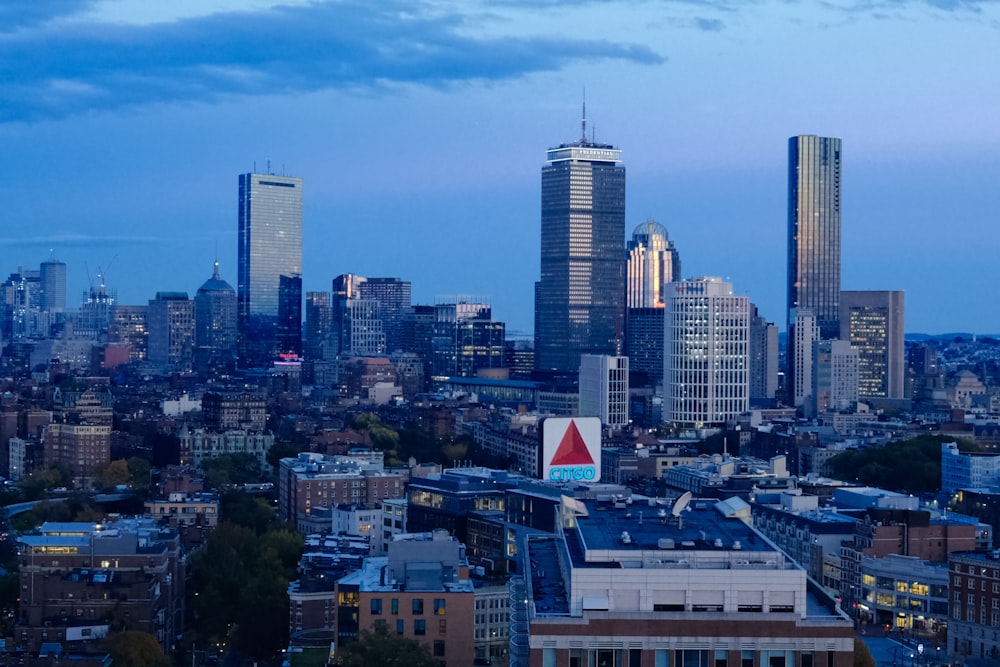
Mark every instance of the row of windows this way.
pixel 416 606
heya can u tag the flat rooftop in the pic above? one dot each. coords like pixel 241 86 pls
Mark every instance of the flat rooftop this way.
pixel 640 526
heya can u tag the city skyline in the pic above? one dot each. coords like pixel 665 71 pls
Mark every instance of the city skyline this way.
pixel 701 97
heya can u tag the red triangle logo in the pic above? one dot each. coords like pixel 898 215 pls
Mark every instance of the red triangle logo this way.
pixel 572 450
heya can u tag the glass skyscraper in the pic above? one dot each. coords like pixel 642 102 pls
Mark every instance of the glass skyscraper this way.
pixel 269 289
pixel 814 230
pixel 580 298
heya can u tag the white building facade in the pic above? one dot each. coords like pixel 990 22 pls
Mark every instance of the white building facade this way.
pixel 706 376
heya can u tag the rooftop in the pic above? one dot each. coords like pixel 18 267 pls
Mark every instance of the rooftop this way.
pixel 650 525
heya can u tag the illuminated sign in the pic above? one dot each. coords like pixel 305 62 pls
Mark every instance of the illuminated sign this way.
pixel 571 449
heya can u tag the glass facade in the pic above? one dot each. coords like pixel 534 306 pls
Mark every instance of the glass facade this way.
pixel 814 230
pixel 269 291
pixel 580 299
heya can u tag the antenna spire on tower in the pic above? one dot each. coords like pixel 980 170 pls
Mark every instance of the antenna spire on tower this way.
pixel 583 122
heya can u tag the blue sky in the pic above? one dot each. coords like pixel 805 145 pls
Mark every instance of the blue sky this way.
pixel 420 127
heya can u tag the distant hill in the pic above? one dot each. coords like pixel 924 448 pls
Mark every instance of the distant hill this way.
pixel 949 336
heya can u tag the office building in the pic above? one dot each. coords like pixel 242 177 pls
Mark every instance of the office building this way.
pixel 604 389
pixel 393 298
pixel 320 342
pixel 357 321
pixel 873 323
pixel 83 448
pixel 580 298
pixel 803 333
pixel 835 377
pixel 52 276
pixel 653 262
pixel 171 323
pixel 269 288
pixel 763 360
pixel 814 230
pixel 215 315
pixel 681 588
pixel 465 338
pixel 706 375
pixel 129 327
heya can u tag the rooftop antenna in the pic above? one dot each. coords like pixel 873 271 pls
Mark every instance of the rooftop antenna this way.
pixel 583 121
pixel 269 166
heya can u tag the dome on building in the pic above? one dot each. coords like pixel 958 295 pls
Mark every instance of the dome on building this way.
pixel 216 283
pixel 649 229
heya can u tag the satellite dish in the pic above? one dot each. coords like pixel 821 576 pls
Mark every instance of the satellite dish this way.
pixel 681 504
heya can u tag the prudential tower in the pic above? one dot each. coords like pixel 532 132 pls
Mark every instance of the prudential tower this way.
pixel 580 298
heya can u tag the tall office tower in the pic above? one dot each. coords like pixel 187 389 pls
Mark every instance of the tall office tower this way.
pixel 393 297
pixel 706 377
pixel 814 230
pixel 653 262
pixel 580 299
pixel 215 315
pixel 803 333
pixel 873 322
pixel 269 287
pixel 357 321
pixel 604 389
pixel 835 376
pixel 170 318
pixel 19 299
pixel 319 344
pixel 53 279
pixel 763 360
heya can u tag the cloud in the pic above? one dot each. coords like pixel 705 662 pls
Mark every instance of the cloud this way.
pixel 709 25
pixel 68 239
pixel 67 68
pixel 18 15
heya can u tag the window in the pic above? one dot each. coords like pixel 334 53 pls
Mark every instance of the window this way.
pixel 399 626
pixel 418 605
pixel 439 606
pixel 420 627
pixel 395 606
pixel 442 627
pixel 376 606
pixel 438 648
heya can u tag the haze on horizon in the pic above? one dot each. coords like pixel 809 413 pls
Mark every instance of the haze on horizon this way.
pixel 420 128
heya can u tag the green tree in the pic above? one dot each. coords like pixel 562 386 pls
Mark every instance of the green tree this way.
pixel 138 472
pixel 134 648
pixel 380 648
pixel 912 466
pixel 115 473
pixel 862 656
pixel 239 468
pixel 281 450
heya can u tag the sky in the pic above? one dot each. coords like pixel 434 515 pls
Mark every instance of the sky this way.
pixel 420 128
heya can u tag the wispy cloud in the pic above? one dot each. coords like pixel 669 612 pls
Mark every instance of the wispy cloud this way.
pixel 64 68
pixel 63 240
pixel 15 16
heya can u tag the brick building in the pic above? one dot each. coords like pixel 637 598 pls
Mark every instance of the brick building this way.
pixel 314 480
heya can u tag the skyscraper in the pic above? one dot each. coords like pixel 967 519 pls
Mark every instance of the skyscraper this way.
pixel 269 291
pixel 580 299
pixel 706 376
pixel 653 263
pixel 215 317
pixel 872 321
pixel 53 279
pixel 814 230
pixel 393 297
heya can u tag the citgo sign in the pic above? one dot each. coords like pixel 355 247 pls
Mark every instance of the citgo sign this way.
pixel 571 449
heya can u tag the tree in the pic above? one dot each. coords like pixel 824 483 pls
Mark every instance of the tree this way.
pixel 281 450
pixel 862 656
pixel 380 648
pixel 912 466
pixel 239 468
pixel 115 474
pixel 134 648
